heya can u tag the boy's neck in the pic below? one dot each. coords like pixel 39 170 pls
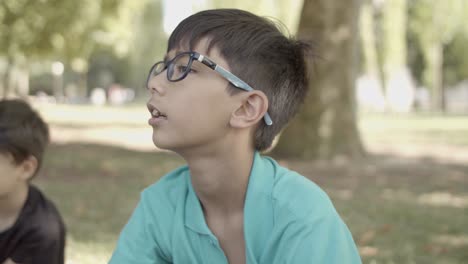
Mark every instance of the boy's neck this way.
pixel 11 206
pixel 220 180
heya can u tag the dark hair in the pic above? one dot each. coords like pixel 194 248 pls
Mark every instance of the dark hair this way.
pixel 259 54
pixel 22 131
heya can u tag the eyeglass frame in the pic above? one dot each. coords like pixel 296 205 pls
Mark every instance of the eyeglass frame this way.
pixel 233 79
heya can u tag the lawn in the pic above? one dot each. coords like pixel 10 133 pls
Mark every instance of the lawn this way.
pixel 401 206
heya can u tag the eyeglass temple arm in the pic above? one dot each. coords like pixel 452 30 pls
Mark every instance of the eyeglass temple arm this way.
pixel 241 85
pixel 232 79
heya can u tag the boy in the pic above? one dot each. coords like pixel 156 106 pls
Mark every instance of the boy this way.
pixel 229 83
pixel 31 229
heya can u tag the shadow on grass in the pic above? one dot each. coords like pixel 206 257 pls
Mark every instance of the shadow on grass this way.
pixel 96 188
pixel 398 208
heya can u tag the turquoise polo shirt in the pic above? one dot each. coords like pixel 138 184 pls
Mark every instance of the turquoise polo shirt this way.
pixel 287 219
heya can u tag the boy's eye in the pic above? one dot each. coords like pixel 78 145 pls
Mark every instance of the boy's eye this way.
pixel 183 69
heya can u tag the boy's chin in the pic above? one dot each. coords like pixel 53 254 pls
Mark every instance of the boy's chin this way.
pixel 158 144
pixel 162 144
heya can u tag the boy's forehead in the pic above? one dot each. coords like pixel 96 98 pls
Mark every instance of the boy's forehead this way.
pixel 200 46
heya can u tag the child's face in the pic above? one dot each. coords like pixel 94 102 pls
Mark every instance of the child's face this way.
pixel 10 174
pixel 196 110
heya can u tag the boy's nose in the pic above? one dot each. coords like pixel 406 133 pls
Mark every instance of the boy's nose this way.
pixel 156 85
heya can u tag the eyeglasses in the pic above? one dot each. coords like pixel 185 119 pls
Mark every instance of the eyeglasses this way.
pixel 179 67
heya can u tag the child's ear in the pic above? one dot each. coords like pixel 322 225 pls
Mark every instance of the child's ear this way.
pixel 28 167
pixel 253 108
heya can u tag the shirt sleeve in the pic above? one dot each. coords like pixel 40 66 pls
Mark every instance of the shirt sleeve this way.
pixel 52 250
pixel 136 244
pixel 323 240
pixel 45 245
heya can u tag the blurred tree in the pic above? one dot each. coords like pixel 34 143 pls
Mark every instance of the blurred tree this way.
pixel 327 124
pixel 372 71
pixel 287 11
pixel 65 30
pixel 146 45
pixel 367 29
pixel 398 84
pixel 436 23
pixel 149 43
pixel 456 60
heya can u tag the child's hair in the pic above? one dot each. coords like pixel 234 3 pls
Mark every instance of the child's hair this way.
pixel 259 54
pixel 22 131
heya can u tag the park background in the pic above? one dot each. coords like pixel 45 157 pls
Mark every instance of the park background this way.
pixel 384 129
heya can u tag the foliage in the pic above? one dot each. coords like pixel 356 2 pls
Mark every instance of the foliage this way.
pixel 148 46
pixel 286 11
pixel 456 60
pixel 437 20
pixel 437 24
pixel 63 29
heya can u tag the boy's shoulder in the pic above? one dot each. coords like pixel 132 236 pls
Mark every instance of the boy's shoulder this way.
pixel 48 222
pixel 39 224
pixel 170 187
pixel 296 195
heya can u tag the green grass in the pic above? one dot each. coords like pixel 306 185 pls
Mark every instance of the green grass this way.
pixel 415 128
pixel 400 210
pixel 96 188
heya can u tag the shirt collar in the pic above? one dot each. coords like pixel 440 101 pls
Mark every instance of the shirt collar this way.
pixel 194 217
pixel 258 207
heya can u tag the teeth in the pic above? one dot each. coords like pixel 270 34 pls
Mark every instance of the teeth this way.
pixel 156 113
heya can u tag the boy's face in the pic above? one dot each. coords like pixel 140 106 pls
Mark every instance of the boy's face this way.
pixel 196 110
pixel 10 174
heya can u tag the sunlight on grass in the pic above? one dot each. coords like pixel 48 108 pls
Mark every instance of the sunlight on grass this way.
pixel 368 251
pixel 131 138
pixel 94 115
pixel 414 128
pixel 452 240
pixel 88 253
pixel 443 199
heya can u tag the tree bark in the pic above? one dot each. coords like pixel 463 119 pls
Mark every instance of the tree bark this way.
pixel 327 124
pixel 399 89
pixel 434 73
pixel 22 82
pixel 7 81
pixel 370 94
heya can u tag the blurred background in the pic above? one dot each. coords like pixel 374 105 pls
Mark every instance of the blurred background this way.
pixel 384 129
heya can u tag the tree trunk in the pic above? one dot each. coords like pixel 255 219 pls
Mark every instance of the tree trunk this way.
pixel 370 86
pixel 22 82
pixel 399 87
pixel 7 81
pixel 326 125
pixel 434 61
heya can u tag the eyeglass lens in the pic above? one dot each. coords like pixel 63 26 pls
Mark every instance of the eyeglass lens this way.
pixel 177 68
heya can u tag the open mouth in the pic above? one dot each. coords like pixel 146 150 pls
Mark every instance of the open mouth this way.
pixel 157 116
pixel 155 112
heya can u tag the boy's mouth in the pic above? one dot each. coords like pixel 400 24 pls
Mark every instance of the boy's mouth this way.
pixel 155 112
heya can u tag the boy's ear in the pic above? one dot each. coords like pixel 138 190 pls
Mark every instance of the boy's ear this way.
pixel 28 167
pixel 253 108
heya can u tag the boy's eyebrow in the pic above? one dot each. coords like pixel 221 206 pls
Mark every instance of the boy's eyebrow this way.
pixel 166 57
